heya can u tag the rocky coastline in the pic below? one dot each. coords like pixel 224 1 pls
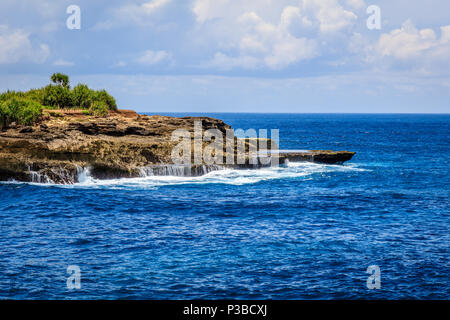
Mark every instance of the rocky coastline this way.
pixel 124 144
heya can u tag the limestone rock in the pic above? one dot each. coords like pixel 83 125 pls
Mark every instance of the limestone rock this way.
pixel 124 144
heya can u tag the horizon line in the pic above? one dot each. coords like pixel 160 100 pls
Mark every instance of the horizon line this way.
pixel 343 113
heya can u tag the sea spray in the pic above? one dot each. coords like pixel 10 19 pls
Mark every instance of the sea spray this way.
pixel 151 177
pixel 178 170
pixel 84 175
pixel 163 175
pixel 38 177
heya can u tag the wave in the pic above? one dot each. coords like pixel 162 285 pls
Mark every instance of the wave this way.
pixel 226 176
pixel 291 170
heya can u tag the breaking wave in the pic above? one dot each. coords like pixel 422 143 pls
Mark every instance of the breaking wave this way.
pixel 303 170
pixel 148 180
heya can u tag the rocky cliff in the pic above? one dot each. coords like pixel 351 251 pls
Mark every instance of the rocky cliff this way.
pixel 124 144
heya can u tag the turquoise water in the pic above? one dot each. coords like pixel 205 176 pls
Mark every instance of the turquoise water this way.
pixel 305 231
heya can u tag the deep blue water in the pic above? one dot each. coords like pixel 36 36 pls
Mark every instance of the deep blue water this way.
pixel 303 232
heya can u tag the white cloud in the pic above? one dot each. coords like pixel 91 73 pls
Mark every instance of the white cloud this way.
pixel 275 44
pixel 150 57
pixel 329 15
pixel 119 64
pixel 274 34
pixel 15 46
pixel 247 36
pixel 63 63
pixel 265 44
pixel 418 49
pixel 139 14
pixel 406 42
pixel 291 50
pixel 356 4
pixel 152 6
pixel 205 10
pixel 224 62
pixel 409 42
pixel 44 8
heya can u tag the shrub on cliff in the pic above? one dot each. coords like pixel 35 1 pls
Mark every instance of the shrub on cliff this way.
pixel 99 109
pixel 82 96
pixel 36 95
pixel 59 95
pixel 105 97
pixel 10 94
pixel 85 98
pixel 20 110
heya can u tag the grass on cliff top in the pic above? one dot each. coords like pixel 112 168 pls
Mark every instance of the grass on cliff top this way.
pixel 25 108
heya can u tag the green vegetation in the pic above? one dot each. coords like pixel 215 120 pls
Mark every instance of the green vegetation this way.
pixel 20 110
pixel 26 107
pixel 99 109
pixel 57 96
pixel 60 79
pixel 105 97
pixel 82 96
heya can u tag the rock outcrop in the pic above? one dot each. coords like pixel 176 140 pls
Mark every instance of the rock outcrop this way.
pixel 124 144
pixel 318 156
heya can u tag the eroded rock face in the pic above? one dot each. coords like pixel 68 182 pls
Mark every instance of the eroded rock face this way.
pixel 124 144
pixel 113 147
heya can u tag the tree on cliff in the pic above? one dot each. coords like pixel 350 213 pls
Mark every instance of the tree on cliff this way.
pixel 57 96
pixel 61 80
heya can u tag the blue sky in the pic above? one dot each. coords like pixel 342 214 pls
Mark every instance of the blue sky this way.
pixel 236 55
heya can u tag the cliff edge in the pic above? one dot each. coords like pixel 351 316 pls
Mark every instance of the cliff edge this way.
pixel 123 144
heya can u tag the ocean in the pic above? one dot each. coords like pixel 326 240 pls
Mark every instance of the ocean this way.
pixel 304 231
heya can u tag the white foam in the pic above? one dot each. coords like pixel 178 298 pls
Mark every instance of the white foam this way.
pixel 84 175
pixel 292 170
pixel 227 176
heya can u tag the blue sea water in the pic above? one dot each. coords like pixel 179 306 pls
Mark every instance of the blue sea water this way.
pixel 308 231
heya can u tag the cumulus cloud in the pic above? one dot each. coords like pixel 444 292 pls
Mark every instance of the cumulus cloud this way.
pixel 409 42
pixel 150 57
pixel 248 35
pixel 422 50
pixel 329 15
pixel 152 6
pixel 16 46
pixel 209 9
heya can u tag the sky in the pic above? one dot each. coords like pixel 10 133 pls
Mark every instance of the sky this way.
pixel 293 56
